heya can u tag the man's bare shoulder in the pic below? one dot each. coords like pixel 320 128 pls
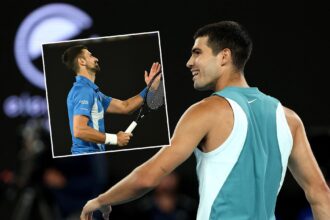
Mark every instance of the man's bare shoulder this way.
pixel 293 119
pixel 210 108
pixel 212 103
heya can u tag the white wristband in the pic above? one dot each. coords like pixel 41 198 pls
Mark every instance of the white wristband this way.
pixel 110 139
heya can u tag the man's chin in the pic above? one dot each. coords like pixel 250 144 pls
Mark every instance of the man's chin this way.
pixel 200 88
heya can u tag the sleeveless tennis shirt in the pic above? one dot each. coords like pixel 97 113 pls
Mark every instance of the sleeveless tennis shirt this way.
pixel 240 179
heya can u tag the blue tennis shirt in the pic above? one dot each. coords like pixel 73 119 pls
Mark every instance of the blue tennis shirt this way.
pixel 86 99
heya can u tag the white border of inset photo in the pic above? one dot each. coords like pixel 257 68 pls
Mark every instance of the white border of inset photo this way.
pixel 123 60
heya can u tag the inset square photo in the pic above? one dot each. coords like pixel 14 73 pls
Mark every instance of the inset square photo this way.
pixel 106 94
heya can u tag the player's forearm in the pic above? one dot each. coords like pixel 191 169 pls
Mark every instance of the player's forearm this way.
pixel 89 134
pixel 320 202
pixel 130 188
pixel 133 104
pixel 321 212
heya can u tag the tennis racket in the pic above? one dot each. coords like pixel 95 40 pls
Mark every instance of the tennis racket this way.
pixel 153 100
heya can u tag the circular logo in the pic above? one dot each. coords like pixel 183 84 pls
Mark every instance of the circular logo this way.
pixel 49 23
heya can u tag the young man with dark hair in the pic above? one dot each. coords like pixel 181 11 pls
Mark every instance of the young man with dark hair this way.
pixel 87 104
pixel 243 140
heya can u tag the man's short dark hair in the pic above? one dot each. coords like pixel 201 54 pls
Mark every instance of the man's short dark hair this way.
pixel 70 56
pixel 231 35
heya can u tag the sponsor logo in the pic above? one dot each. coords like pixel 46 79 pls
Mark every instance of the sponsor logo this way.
pixel 52 22
pixel 83 102
pixel 250 101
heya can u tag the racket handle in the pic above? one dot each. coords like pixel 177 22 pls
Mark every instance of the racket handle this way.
pixel 131 127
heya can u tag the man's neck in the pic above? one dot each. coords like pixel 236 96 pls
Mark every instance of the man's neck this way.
pixel 232 79
pixel 88 75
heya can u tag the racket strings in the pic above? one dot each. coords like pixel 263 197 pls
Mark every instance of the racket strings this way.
pixel 155 98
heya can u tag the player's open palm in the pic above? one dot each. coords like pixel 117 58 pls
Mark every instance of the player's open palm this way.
pixel 155 68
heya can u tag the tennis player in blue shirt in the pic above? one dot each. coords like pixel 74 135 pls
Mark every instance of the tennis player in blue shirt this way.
pixel 87 104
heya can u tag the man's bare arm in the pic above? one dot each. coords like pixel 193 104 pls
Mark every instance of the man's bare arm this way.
pixel 190 130
pixel 306 171
pixel 82 131
pixel 125 107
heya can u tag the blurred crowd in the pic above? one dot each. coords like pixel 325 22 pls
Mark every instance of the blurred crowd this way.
pixel 40 187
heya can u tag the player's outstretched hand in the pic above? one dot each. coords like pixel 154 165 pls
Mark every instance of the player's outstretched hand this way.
pixel 155 68
pixel 123 138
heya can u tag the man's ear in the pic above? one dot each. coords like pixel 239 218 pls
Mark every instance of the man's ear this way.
pixel 81 61
pixel 224 56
